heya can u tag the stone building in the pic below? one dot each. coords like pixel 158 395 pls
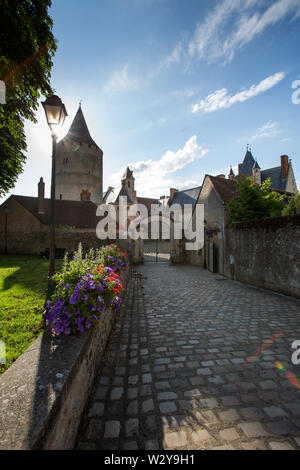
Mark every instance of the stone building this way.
pixel 282 176
pixel 127 189
pixel 79 164
pixel 25 221
pixel 214 193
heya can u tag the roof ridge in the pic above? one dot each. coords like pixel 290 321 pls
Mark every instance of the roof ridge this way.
pixel 273 168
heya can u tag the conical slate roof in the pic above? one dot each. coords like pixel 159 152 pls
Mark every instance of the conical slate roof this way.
pixel 248 163
pixel 127 174
pixel 79 130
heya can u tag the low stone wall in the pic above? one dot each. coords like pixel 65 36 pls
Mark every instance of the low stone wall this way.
pixel 34 243
pixel 44 393
pixel 265 253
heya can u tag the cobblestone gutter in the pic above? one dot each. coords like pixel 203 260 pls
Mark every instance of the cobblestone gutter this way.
pixel 44 393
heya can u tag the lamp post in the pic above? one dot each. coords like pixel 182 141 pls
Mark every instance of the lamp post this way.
pixel 6 210
pixel 55 114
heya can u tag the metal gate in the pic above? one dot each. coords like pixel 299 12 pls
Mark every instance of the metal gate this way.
pixel 156 250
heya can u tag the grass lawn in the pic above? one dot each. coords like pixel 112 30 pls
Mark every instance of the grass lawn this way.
pixel 23 284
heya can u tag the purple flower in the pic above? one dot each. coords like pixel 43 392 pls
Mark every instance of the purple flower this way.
pixel 74 298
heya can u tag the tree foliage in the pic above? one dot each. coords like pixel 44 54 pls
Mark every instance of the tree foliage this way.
pixel 293 206
pixel 27 47
pixel 252 201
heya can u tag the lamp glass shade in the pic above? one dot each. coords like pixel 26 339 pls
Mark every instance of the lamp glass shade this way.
pixel 55 111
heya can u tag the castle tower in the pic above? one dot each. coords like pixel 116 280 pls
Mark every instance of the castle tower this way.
pixel 79 164
pixel 256 173
pixel 128 183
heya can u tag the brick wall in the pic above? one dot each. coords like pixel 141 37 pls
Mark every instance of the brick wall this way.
pixel 265 253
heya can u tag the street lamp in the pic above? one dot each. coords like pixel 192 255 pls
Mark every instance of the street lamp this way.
pixel 6 210
pixel 55 114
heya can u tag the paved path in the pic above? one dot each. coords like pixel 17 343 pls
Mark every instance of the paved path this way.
pixel 174 376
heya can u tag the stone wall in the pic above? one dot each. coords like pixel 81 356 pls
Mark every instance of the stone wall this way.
pixel 35 243
pixel 265 253
pixel 44 393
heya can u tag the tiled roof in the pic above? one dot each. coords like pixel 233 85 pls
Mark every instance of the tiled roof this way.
pixel 188 196
pixel 112 195
pixel 79 130
pixel 79 214
pixel 276 181
pixel 147 201
pixel 224 187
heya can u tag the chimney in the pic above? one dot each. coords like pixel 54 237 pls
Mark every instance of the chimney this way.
pixel 41 197
pixel 239 168
pixel 284 160
pixel 172 192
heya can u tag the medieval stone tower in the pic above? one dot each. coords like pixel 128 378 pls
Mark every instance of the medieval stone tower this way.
pixel 79 164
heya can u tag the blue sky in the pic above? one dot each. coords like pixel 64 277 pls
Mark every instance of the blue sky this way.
pixel 176 89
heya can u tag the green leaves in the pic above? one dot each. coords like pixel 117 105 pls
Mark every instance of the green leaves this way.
pixel 252 201
pixel 293 206
pixel 27 47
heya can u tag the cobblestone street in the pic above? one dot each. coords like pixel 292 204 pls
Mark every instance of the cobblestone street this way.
pixel 175 374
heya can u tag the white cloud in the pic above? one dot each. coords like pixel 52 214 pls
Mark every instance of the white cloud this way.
pixel 121 81
pixel 174 57
pixel 269 129
pixel 220 98
pixel 234 23
pixel 152 177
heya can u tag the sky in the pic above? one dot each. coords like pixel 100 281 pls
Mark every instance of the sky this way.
pixel 174 89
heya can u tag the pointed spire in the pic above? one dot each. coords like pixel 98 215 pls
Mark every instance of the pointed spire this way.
pixel 247 165
pixel 231 171
pixel 128 174
pixel 79 130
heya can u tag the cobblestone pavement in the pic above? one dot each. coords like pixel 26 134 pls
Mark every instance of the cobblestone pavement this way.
pixel 175 376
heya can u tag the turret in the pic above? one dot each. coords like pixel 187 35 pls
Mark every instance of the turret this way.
pixel 256 173
pixel 231 175
pixel 79 164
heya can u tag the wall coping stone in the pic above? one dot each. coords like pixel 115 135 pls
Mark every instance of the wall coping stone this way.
pixel 270 222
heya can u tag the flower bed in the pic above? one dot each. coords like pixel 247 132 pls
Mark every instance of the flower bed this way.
pixel 87 284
